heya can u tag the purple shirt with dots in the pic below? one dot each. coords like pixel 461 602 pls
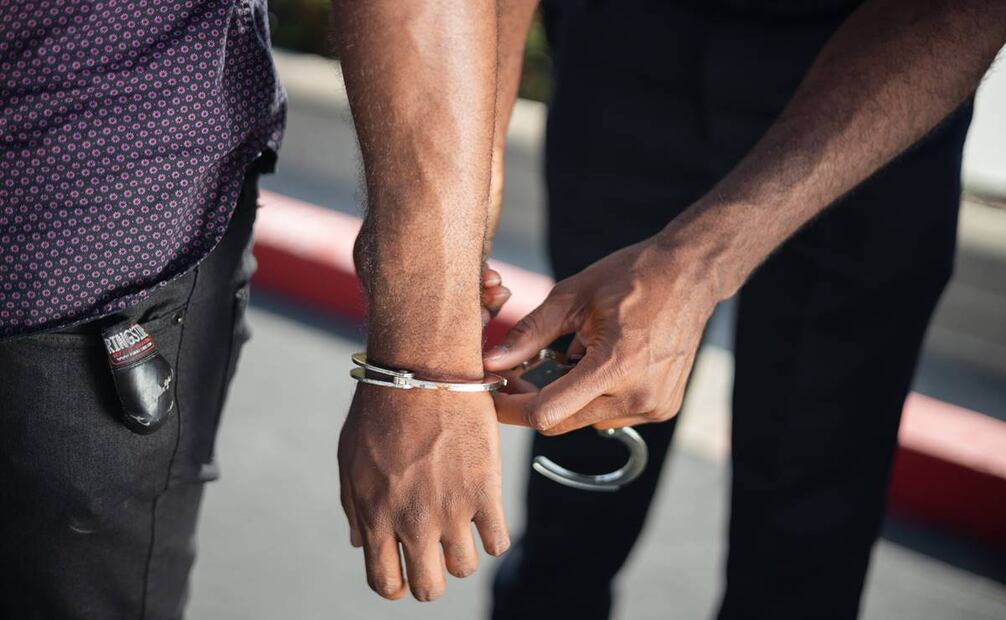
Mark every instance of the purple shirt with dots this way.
pixel 126 127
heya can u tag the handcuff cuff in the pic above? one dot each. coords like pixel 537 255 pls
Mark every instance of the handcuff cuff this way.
pixel 373 374
pixel 543 369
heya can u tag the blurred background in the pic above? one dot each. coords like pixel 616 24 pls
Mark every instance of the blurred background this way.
pixel 273 540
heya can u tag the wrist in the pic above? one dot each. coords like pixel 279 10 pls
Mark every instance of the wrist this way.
pixel 424 329
pixel 423 315
pixel 428 357
pixel 713 244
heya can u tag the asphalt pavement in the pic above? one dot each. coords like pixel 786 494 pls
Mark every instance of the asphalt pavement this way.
pixel 274 544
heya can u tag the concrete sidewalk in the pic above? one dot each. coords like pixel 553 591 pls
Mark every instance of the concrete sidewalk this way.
pixel 274 542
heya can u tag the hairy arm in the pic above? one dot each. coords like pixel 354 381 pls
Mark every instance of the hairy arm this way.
pixel 421 78
pixel 418 467
pixel 893 71
pixel 888 75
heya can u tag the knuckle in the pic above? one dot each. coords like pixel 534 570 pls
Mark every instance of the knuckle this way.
pixel 540 420
pixel 675 407
pixel 567 290
pixel 642 401
pixel 370 518
pixel 614 369
pixel 409 534
pixel 414 517
pixel 656 416
pixel 561 290
pixel 526 326
pixel 478 493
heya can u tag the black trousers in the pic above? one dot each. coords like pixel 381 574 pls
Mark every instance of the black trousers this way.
pixel 96 521
pixel 653 104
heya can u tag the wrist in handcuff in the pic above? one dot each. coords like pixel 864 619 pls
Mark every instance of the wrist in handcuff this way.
pixel 372 373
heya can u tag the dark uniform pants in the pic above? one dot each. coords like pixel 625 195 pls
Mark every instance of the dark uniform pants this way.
pixel 96 521
pixel 654 104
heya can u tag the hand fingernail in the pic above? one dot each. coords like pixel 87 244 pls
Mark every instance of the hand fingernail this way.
pixel 502 293
pixel 496 352
pixel 492 279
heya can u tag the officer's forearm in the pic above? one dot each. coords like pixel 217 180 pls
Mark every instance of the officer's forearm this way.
pixel 892 72
pixel 421 78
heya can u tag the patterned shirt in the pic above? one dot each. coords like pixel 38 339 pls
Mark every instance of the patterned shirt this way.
pixel 126 127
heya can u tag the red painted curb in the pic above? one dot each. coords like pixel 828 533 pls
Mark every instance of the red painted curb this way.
pixel 950 468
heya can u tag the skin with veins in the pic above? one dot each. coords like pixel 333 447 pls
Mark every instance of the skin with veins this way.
pixel 889 74
pixel 418 467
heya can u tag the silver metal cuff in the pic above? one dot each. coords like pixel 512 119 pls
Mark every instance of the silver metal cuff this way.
pixel 405 380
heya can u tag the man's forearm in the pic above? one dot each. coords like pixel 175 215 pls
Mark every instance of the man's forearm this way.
pixel 893 71
pixel 421 78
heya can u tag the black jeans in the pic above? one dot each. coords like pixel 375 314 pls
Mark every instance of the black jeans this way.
pixel 653 105
pixel 96 521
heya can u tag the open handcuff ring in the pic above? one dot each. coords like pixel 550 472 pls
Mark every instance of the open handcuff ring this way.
pixel 548 366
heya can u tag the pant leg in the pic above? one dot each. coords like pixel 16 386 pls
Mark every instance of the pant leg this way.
pixel 621 142
pixel 828 335
pixel 96 521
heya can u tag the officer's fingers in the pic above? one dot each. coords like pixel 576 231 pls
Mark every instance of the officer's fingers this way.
pixel 491 524
pixel 531 334
pixel 570 393
pixel 384 565
pixel 490 277
pixel 424 567
pixel 494 298
pixel 600 409
pixel 460 555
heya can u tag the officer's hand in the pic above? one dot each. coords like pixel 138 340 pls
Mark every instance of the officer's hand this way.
pixel 416 468
pixel 638 316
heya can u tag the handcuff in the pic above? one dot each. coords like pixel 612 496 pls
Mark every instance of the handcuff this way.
pixel 540 371
pixel 370 373
pixel 550 365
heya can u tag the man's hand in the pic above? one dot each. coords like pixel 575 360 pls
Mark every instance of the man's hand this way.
pixel 638 316
pixel 417 467
pixel 892 71
pixel 403 456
